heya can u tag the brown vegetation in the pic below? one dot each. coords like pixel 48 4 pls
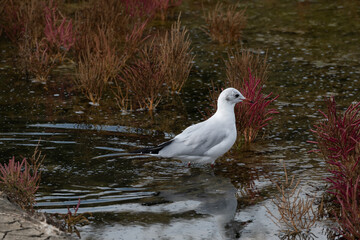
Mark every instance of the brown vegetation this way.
pixel 296 213
pixel 98 63
pixel 225 25
pixel 240 61
pixel 145 79
pixel 175 58
pixel 163 65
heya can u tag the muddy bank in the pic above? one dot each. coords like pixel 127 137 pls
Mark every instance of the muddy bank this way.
pixel 15 223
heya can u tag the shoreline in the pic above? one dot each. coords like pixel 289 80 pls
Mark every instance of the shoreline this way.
pixel 16 223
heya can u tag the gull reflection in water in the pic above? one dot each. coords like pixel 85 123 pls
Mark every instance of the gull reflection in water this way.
pixel 196 205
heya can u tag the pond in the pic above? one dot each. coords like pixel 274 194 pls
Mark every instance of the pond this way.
pixel 313 52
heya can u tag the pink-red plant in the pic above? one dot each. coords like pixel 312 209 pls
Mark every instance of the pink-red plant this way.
pixel 58 33
pixel 338 139
pixel 349 219
pixel 20 181
pixel 251 118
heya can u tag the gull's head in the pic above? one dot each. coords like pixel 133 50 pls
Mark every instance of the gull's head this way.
pixel 230 96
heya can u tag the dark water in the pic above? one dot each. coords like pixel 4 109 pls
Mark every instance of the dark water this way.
pixel 313 49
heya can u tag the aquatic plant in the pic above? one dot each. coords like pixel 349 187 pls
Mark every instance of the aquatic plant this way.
pixel 135 38
pixel 240 61
pixel 251 118
pixel 59 34
pixel 296 213
pixel 225 25
pixel 21 15
pixel 338 140
pixel 20 180
pixel 72 219
pixel 35 57
pixel 164 64
pixel 145 78
pixel 175 57
pixel 34 28
pixel 348 218
pixel 98 63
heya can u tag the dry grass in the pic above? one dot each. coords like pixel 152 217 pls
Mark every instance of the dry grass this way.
pixel 225 25
pixel 175 57
pixel 296 213
pixel 145 79
pixel 163 65
pixel 35 57
pixel 98 63
pixel 238 64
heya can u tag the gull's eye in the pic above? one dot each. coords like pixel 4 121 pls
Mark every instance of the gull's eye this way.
pixel 237 95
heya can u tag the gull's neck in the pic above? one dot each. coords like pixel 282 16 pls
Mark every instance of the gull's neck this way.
pixel 225 110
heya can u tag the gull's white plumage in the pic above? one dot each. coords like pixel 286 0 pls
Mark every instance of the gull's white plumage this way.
pixel 204 142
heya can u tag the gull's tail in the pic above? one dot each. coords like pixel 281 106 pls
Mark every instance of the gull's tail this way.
pixel 152 150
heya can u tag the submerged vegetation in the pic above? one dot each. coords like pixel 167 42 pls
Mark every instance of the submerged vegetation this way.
pixel 295 214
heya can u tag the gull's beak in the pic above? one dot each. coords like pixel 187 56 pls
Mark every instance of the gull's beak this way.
pixel 248 100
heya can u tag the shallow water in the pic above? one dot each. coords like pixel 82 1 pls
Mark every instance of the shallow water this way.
pixel 313 53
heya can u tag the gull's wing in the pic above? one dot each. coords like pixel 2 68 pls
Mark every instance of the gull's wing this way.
pixel 196 139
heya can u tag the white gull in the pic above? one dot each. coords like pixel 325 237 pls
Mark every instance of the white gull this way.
pixel 206 141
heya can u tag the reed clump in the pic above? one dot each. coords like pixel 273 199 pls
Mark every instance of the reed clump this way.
pixel 107 38
pixel 338 141
pixel 162 67
pixel 175 56
pixel 296 213
pixel 98 64
pixel 145 79
pixel 225 24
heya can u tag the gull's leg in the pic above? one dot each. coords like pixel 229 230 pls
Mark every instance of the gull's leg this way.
pixel 212 165
pixel 189 163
